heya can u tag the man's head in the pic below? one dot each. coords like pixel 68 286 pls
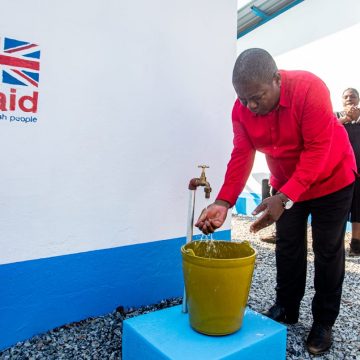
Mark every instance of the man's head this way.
pixel 257 81
pixel 350 97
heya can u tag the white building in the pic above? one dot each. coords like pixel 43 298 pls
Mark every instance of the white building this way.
pixel 106 109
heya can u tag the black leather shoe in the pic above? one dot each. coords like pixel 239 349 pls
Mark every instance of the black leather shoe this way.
pixel 278 313
pixel 319 339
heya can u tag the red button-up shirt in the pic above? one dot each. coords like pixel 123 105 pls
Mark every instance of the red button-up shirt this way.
pixel 307 150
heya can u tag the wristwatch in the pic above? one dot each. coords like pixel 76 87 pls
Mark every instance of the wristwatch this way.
pixel 287 203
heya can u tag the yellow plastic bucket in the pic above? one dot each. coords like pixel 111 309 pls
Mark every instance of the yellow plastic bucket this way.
pixel 217 277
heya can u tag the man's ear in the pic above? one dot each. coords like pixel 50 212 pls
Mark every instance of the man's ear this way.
pixel 277 78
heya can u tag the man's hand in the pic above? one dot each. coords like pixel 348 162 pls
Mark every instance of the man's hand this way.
pixel 271 209
pixel 212 217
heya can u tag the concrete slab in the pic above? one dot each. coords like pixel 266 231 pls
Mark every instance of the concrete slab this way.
pixel 166 334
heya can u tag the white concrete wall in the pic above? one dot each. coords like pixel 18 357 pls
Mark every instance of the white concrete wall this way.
pixel 132 97
pixel 334 58
pixel 320 36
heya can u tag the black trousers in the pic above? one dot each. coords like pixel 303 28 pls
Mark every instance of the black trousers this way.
pixel 328 221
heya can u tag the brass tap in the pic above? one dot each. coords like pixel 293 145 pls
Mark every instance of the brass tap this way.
pixel 202 181
pixel 203 176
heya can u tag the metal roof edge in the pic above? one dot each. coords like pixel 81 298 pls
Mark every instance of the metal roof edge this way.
pixel 268 18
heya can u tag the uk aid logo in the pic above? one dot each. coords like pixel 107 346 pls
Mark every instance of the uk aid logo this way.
pixel 19 80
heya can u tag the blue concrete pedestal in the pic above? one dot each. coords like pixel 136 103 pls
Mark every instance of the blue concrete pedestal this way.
pixel 166 334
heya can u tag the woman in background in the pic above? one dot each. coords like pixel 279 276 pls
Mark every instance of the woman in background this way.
pixel 350 118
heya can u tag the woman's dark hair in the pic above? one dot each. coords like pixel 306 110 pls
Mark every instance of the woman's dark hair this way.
pixel 351 89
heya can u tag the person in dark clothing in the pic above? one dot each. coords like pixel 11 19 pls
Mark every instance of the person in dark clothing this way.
pixel 288 116
pixel 265 193
pixel 350 118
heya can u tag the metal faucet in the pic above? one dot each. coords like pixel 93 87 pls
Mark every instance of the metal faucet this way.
pixel 201 181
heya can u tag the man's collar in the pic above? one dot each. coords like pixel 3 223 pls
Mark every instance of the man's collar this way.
pixel 284 95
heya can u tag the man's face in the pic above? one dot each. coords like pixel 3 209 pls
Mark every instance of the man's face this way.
pixel 350 98
pixel 260 98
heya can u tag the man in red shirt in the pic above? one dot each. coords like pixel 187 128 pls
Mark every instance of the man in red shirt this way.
pixel 288 116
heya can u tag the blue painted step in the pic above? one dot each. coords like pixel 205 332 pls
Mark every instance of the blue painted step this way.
pixel 166 334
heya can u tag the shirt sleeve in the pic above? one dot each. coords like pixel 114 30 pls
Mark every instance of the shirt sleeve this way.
pixel 317 128
pixel 240 164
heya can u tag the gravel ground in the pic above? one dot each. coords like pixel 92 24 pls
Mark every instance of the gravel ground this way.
pixel 100 338
pixel 346 331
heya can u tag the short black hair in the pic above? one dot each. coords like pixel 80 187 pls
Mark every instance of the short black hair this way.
pixel 351 89
pixel 254 65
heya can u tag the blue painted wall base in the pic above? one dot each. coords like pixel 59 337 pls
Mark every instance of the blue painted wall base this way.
pixel 39 295
pixel 246 203
pixel 166 334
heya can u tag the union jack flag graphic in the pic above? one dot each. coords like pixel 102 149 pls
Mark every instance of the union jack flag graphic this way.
pixel 19 62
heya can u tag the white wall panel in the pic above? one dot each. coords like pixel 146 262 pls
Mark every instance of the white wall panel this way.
pixel 132 97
